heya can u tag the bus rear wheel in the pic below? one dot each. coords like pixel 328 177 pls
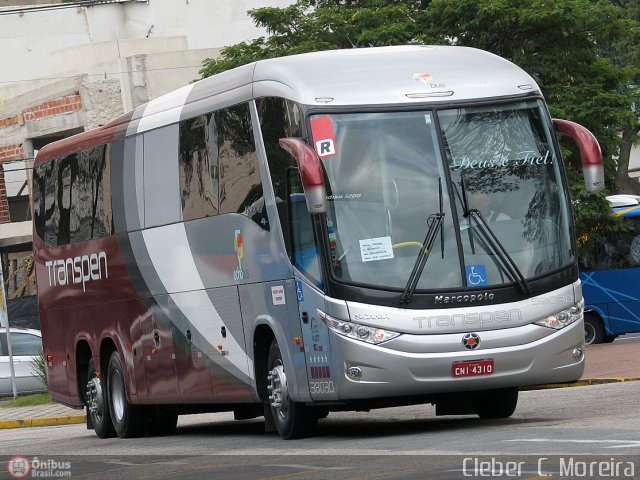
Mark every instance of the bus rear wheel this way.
pixel 128 420
pixel 495 403
pixel 292 419
pixel 97 404
pixel 593 330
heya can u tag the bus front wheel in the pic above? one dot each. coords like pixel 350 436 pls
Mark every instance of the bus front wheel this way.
pixel 128 420
pixel 593 330
pixel 292 419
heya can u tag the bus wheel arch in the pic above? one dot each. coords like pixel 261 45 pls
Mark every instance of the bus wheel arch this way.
pixel 594 331
pixel 83 357
pixel 262 338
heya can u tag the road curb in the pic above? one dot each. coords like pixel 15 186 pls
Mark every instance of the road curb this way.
pixel 583 383
pixel 43 422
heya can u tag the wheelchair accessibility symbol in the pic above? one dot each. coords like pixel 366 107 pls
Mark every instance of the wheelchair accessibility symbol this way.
pixel 476 275
pixel 299 291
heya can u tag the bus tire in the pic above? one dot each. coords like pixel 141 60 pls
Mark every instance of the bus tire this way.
pixel 128 420
pixel 495 403
pixel 292 419
pixel 593 330
pixel 97 405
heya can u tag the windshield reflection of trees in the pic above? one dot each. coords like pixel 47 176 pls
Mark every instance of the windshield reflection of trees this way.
pixel 499 139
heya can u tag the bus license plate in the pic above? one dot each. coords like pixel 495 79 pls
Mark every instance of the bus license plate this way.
pixel 472 368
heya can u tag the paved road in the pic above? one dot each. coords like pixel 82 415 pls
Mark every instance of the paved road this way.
pixel 396 443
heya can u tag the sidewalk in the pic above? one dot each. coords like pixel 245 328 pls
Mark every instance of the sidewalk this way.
pixel 607 363
pixel 40 416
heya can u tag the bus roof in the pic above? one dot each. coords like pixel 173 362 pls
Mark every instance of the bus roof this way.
pixel 390 75
pixel 351 77
pixel 360 77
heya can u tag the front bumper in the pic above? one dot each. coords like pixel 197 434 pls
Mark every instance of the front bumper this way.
pixel 528 355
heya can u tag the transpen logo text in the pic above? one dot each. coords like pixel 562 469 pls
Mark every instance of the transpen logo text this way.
pixel 77 270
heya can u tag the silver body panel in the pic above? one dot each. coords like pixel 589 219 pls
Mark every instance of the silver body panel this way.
pixel 419 361
pixel 388 372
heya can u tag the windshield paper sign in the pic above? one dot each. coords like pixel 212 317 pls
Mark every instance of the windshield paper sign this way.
pixel 372 249
pixel 323 136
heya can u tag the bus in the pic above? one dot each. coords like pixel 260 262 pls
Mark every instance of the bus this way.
pixel 610 270
pixel 333 231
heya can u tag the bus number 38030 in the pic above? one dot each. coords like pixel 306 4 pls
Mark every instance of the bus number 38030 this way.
pixel 322 387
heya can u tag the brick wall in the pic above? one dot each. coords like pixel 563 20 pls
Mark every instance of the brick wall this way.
pixel 11 152
pixel 69 103
pixel 58 106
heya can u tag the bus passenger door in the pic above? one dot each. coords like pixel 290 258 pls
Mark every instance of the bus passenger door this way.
pixel 315 335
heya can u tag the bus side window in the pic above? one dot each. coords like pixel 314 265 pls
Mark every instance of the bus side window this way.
pixel 67 194
pixel 240 184
pixel 280 118
pixel 304 251
pixel 198 169
pixel 44 203
pixel 92 216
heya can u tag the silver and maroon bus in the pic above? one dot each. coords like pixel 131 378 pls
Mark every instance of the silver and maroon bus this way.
pixel 342 230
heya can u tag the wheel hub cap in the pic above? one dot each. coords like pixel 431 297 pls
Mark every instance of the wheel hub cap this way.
pixel 95 400
pixel 277 386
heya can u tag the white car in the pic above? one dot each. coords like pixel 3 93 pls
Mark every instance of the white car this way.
pixel 26 345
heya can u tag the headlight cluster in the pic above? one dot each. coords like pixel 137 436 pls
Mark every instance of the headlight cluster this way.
pixel 563 318
pixel 363 333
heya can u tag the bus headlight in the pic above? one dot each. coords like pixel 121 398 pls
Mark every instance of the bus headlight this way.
pixel 563 318
pixel 356 331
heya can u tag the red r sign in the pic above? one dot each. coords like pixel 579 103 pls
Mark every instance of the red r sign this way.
pixel 323 136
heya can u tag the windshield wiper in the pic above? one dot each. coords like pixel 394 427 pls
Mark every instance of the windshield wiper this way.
pixel 434 223
pixel 486 234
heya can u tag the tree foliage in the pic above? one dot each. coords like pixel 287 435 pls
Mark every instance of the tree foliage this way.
pixel 584 54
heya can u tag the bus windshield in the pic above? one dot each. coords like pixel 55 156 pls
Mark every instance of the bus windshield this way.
pixel 491 171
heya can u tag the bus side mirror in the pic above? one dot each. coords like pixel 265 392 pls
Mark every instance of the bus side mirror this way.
pixel 590 154
pixel 310 168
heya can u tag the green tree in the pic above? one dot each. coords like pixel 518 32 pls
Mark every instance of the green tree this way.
pixel 573 49
pixel 628 52
pixel 582 53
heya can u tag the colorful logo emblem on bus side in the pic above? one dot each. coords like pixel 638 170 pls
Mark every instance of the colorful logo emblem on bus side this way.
pixel 427 80
pixel 238 246
pixel 423 77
